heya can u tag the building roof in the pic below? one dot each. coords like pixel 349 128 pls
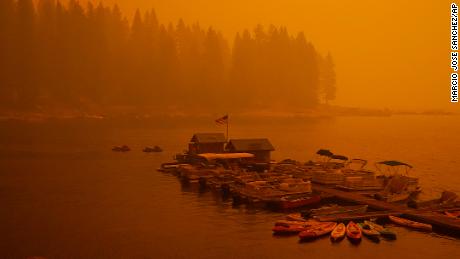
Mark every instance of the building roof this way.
pixel 214 156
pixel 208 138
pixel 241 145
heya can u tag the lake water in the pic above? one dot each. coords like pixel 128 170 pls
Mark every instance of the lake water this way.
pixel 65 194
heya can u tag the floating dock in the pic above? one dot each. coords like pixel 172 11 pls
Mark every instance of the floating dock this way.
pixel 343 217
pixel 425 216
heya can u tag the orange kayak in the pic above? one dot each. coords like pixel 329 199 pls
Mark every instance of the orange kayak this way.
pixel 317 230
pixel 339 232
pixel 410 223
pixel 353 231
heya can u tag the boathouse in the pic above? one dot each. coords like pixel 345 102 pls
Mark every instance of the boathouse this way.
pixel 207 143
pixel 261 148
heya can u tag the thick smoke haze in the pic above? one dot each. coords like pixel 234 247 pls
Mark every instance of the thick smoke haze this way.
pixel 228 55
pixel 392 54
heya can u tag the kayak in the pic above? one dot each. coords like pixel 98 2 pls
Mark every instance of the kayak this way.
pixel 410 223
pixel 288 230
pixel 317 230
pixel 353 231
pixel 339 232
pixel 369 232
pixel 384 232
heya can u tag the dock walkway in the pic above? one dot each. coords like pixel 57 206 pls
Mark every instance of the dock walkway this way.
pixel 430 217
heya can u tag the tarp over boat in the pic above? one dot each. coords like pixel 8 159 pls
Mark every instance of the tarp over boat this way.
pixel 393 163
pixel 214 156
pixel 324 152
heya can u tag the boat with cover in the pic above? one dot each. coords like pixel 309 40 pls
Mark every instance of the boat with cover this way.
pixel 318 230
pixel 384 232
pixel 356 178
pixel 353 231
pixel 399 186
pixel 339 232
pixel 410 223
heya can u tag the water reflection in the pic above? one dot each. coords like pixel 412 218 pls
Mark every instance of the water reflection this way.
pixel 65 194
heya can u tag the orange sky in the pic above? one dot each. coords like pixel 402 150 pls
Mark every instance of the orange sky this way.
pixel 392 54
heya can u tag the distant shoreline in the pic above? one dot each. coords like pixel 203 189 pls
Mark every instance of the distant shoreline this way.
pixel 320 112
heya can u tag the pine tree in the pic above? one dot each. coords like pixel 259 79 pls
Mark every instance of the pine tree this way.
pixel 82 57
pixel 328 79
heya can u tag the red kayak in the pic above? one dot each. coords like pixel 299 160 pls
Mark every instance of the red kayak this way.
pixel 353 231
pixel 317 230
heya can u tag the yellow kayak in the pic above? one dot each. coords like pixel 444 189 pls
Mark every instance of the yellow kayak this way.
pixel 339 232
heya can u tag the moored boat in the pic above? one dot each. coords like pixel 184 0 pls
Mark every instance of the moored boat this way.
pixel 317 230
pixel 410 223
pixel 123 148
pixel 339 232
pixel 286 203
pixel 399 186
pixel 353 231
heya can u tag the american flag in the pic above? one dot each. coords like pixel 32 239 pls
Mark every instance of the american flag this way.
pixel 223 120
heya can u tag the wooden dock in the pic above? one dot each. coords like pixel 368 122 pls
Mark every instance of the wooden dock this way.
pixel 343 217
pixel 436 219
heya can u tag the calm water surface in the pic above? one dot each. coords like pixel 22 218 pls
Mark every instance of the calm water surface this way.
pixel 64 194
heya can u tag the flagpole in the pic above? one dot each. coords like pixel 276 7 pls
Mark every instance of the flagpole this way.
pixel 227 126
